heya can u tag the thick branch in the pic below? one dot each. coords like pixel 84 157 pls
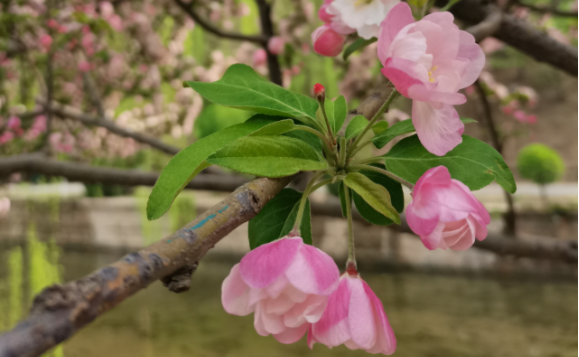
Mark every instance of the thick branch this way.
pixel 519 34
pixel 39 164
pixel 487 27
pixel 188 8
pixel 59 311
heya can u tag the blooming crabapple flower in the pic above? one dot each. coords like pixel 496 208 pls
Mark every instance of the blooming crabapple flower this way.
pixel 6 137
pixel 4 206
pixel 363 16
pixel 259 57
pixel 429 61
pixel 45 41
pixel 327 42
pixel 286 283
pixel 355 317
pixel 444 213
pixel 323 13
pixel 275 45
pixel 13 123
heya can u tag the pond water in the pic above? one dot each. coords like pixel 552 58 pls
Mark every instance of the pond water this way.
pixel 432 315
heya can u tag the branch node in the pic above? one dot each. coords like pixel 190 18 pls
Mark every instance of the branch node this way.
pixel 180 281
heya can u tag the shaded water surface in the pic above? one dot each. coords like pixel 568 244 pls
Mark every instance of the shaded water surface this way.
pixel 432 315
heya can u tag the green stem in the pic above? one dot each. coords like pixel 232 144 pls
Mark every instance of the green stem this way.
pixel 371 160
pixel 343 149
pixel 377 116
pixel 304 199
pixel 383 172
pixel 360 147
pixel 327 147
pixel 320 184
pixel 351 247
pixel 330 133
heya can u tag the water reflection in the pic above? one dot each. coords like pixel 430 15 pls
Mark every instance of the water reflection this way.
pixel 432 315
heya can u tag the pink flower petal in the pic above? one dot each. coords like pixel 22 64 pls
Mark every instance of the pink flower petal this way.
pixel 439 130
pixel 397 18
pixel 291 335
pixel 361 315
pixel 385 339
pixel 313 271
pixel 472 52
pixel 235 294
pixel 263 265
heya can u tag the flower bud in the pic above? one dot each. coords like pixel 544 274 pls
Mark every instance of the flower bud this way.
pixel 319 92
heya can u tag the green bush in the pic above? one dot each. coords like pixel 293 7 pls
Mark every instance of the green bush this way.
pixel 540 163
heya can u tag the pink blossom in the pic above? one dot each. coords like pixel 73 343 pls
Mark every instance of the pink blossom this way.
pixel 444 213
pixel 429 61
pixel 354 317
pixel 4 206
pixel 107 9
pixel 39 123
pixel 276 45
pixel 84 66
pixel 327 42
pixel 13 123
pixel 363 17
pixel 52 24
pixel 531 119
pixel 45 41
pixel 520 116
pixel 323 13
pixel 259 57
pixel 116 22
pixel 286 283
pixel 6 137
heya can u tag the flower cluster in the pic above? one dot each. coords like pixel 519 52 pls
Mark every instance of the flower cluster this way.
pixel 293 288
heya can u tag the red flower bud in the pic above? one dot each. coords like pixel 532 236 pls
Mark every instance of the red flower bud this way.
pixel 319 91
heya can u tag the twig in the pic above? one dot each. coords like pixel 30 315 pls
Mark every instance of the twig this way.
pixel 488 26
pixel 519 34
pixel 39 164
pixel 188 8
pixel 267 31
pixel 87 119
pixel 548 10
pixel 59 311
pixel 49 81
pixel 510 217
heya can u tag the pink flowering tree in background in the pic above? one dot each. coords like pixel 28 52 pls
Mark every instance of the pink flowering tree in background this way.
pixel 116 83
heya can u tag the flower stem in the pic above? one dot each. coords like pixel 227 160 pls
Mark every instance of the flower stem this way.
pixel 327 147
pixel 330 134
pixel 304 199
pixel 375 118
pixel 343 149
pixel 383 172
pixel 371 160
pixel 351 247
pixel 360 147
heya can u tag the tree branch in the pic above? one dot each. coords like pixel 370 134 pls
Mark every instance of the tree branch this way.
pixel 519 34
pixel 87 119
pixel 548 10
pixel 39 164
pixel 188 8
pixel 267 30
pixel 486 27
pixel 510 218
pixel 59 311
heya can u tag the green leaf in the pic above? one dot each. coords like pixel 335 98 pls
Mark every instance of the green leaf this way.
pixel 191 160
pixel 242 88
pixel 356 125
pixel 374 194
pixel 396 195
pixel 269 156
pixel 473 162
pixel 401 128
pixel 309 138
pixel 342 194
pixel 336 111
pixel 277 219
pixel 380 127
pixel 360 43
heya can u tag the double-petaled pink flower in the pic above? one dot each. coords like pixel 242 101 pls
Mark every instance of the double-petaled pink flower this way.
pixel 286 283
pixel 354 317
pixel 429 61
pixel 445 213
